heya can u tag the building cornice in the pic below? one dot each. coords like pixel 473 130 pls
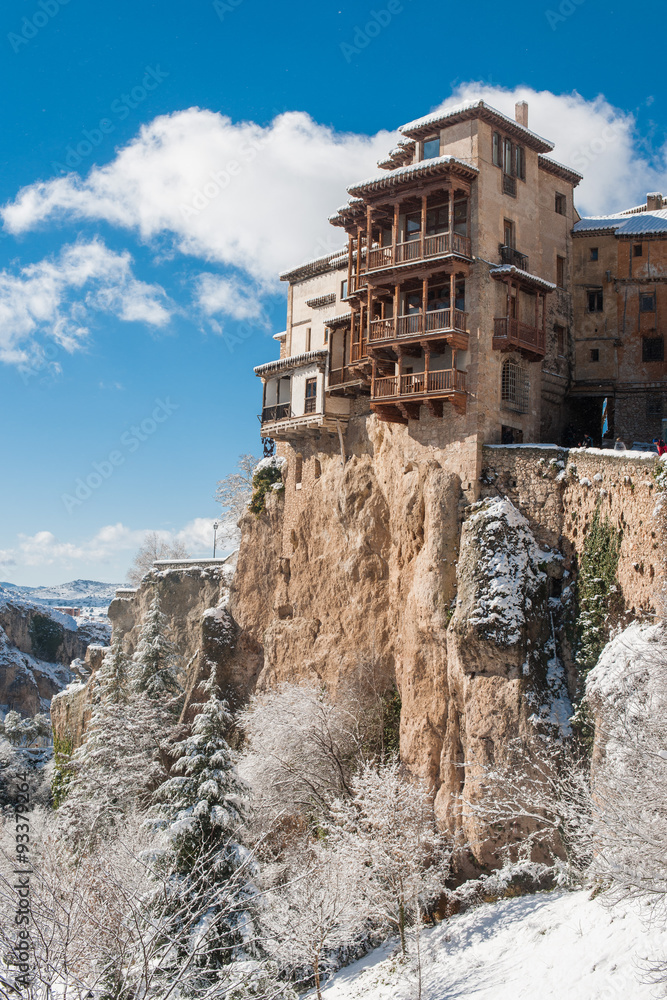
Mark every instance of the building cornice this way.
pixel 422 127
pixel 559 170
pixel 289 364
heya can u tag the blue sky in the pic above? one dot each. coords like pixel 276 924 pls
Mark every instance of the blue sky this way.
pixel 161 162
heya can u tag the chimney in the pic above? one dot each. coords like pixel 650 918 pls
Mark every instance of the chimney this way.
pixel 653 202
pixel 521 112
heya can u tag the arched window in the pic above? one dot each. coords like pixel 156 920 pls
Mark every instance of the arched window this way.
pixel 515 387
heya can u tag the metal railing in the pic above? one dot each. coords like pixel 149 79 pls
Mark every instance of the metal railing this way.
pixel 509 255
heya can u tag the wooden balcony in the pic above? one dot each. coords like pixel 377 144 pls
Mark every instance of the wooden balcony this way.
pixel 434 246
pixel 512 335
pixel 444 323
pixel 347 382
pixel 448 380
pixel 283 411
pixel 358 351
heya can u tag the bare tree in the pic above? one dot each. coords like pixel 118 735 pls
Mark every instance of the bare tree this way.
pixel 387 831
pixel 235 490
pixel 154 547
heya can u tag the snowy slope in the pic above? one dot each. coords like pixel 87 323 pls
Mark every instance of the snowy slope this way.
pixel 80 593
pixel 551 946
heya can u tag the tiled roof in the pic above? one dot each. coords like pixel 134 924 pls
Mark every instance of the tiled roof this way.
pixel 529 278
pixel 287 364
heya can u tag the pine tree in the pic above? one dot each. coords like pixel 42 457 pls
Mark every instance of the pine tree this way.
pixel 114 676
pixel 199 808
pixel 155 660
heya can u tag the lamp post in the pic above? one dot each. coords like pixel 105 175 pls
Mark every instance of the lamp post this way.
pixel 215 533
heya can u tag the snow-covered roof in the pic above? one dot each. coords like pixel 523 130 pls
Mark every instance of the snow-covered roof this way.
pixel 476 109
pixel 338 320
pixel 280 336
pixel 287 364
pixel 328 262
pixel 624 224
pixel 411 170
pixel 554 167
pixel 524 275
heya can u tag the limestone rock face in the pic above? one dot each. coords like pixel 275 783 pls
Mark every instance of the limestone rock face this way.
pixel 36 647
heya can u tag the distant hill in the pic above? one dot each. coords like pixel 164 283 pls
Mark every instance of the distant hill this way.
pixel 78 593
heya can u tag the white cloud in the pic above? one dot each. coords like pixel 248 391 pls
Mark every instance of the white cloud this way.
pixel 111 542
pixel 595 138
pixel 55 298
pixel 228 296
pixel 253 197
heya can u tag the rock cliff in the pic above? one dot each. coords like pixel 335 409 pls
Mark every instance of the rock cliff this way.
pixel 383 566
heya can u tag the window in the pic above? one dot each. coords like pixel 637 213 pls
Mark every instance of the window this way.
pixel 654 407
pixel 317 468
pixel 326 334
pixel 593 253
pixel 508 233
pixel 508 159
pixel 437 220
pixel 637 250
pixel 413 225
pixel 298 471
pixel 560 204
pixel 560 272
pixel 595 354
pixel 595 302
pixel 308 339
pixel 461 216
pixel 431 148
pixel 511 158
pixel 343 289
pixel 560 340
pixel 521 163
pixel 311 395
pixel 653 349
pixel 515 387
pixel 647 302
pixel 496 148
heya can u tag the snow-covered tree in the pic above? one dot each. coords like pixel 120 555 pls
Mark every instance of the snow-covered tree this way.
pixel 314 907
pixel 207 921
pixel 154 547
pixel 155 660
pixel 388 828
pixel 234 491
pixel 536 803
pixel 23 732
pixel 113 681
pixel 301 751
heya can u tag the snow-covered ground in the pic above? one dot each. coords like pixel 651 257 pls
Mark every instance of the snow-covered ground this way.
pixel 548 946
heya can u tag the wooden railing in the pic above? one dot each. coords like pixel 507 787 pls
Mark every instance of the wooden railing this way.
pixel 283 411
pixel 442 381
pixel 358 351
pixel 509 333
pixel 418 323
pixel 434 246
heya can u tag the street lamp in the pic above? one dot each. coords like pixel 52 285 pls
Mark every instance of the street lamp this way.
pixel 215 532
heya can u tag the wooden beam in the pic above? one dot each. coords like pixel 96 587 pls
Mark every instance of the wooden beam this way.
pixel 422 235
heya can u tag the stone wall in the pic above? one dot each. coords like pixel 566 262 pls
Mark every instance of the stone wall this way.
pixel 559 491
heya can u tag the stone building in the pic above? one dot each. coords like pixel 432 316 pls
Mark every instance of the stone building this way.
pixel 620 308
pixel 472 304
pixel 452 302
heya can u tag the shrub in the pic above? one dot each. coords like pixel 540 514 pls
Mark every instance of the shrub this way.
pixel 268 476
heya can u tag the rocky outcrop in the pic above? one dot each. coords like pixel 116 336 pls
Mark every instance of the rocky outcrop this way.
pixel 37 645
